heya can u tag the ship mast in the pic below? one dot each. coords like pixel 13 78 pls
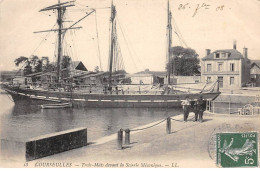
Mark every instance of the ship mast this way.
pixel 61 8
pixel 169 41
pixel 112 43
pixel 61 12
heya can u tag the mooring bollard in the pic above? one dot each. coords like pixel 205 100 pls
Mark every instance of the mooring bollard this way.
pixel 168 125
pixel 119 139
pixel 127 136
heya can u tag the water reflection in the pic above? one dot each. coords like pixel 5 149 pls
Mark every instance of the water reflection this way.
pixel 24 122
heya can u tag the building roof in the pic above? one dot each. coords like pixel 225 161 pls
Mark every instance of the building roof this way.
pixel 139 75
pixel 234 55
pixel 12 73
pixel 156 73
pixel 92 74
pixel 78 65
pixel 255 62
pixel 41 73
pixel 34 74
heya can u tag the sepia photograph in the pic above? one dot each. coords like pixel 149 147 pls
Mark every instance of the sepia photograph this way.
pixel 129 83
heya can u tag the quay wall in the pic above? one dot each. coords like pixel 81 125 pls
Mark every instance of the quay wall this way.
pixel 44 145
pixel 237 98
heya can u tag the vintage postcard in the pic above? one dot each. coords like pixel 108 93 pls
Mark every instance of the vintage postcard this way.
pixel 129 83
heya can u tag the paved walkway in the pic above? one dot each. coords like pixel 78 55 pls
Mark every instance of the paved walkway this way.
pixel 190 144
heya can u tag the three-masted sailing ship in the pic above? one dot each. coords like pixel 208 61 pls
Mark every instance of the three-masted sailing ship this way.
pixel 111 96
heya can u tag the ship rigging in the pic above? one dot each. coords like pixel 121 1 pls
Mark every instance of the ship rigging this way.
pixel 109 94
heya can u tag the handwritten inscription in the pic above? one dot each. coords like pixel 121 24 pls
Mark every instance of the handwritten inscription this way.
pixel 199 7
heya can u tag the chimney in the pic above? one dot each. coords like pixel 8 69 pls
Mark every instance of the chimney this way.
pixel 207 52
pixel 245 52
pixel 235 44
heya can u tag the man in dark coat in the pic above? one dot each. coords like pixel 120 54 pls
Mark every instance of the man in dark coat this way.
pixel 199 109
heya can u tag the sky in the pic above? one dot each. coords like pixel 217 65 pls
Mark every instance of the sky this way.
pixel 141 28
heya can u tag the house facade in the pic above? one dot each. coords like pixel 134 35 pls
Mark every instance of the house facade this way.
pixel 255 73
pixel 228 66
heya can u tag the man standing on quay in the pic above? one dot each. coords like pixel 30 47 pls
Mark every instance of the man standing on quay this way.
pixel 199 109
pixel 186 108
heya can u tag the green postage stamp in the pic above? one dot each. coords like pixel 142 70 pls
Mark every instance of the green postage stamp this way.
pixel 237 149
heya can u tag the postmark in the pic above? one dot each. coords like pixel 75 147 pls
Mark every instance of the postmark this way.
pixel 237 149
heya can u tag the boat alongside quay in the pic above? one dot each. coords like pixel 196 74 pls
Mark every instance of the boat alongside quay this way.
pixel 111 94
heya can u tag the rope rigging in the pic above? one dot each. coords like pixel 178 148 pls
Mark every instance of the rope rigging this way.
pixel 98 41
pixel 127 44
pixel 178 33
pixel 44 39
pixel 118 62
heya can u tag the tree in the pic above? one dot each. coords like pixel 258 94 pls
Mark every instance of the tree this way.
pixel 31 65
pixel 65 62
pixel 46 65
pixel 36 64
pixel 183 61
pixel 49 68
pixel 26 64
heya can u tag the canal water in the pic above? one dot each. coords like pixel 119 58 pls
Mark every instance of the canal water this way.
pixel 18 122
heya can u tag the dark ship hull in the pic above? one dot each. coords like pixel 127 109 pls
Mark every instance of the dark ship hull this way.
pixel 39 97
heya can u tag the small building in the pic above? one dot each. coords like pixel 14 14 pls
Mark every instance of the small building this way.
pixel 255 73
pixel 147 77
pixel 141 78
pixel 9 75
pixel 159 77
pixel 77 68
pixel 187 79
pixel 228 66
pixel 19 80
pixel 92 78
pixel 42 78
pixel 47 79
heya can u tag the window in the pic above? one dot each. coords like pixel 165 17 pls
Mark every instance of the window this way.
pixel 232 79
pixel 223 54
pixel 208 67
pixel 220 66
pixel 217 55
pixel 220 82
pixel 208 79
pixel 232 67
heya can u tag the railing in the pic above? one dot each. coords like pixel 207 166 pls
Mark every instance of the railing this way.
pixel 248 109
pixel 128 131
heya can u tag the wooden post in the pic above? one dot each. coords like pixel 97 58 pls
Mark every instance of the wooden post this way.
pixel 210 106
pixel 229 107
pixel 127 136
pixel 119 139
pixel 168 125
pixel 213 107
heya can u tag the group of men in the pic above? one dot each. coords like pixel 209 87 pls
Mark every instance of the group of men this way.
pixel 198 107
